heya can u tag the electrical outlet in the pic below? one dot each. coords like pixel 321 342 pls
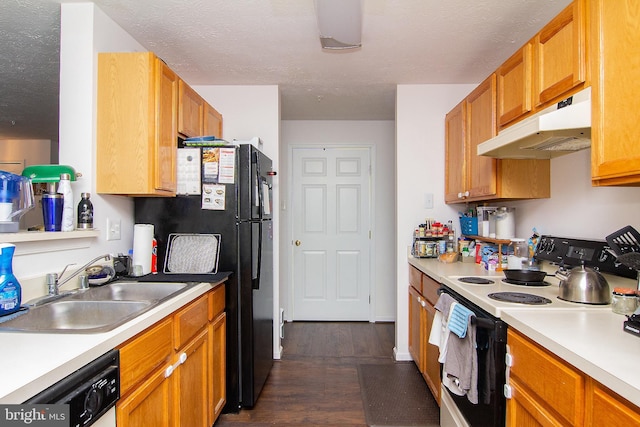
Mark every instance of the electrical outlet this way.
pixel 428 200
pixel 113 229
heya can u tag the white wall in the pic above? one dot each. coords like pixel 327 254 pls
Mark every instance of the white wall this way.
pixel 576 209
pixel 420 111
pixel 380 136
pixel 247 112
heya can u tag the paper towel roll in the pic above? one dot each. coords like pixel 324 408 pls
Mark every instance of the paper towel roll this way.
pixel 142 246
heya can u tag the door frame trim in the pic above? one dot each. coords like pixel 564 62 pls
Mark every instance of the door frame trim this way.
pixel 372 203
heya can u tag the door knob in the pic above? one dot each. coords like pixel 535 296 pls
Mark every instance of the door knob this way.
pixel 298 242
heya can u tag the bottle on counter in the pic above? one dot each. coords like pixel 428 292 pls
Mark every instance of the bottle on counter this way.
pixel 64 188
pixel 10 290
pixel 85 212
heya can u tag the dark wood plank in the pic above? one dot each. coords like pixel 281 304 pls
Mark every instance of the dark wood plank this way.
pixel 316 381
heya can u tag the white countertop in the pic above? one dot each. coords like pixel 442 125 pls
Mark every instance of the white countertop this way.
pixel 32 362
pixel 589 337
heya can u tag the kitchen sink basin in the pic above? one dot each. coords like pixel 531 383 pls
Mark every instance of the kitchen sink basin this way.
pixel 72 316
pixel 131 291
pixel 93 310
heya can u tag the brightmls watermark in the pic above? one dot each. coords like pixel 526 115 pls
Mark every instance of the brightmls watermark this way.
pixel 40 415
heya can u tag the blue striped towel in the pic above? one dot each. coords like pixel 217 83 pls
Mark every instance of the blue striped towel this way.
pixel 459 319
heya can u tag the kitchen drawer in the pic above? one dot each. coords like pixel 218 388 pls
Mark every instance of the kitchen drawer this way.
pixel 144 353
pixel 216 302
pixel 190 320
pixel 553 383
pixel 430 289
pixel 415 278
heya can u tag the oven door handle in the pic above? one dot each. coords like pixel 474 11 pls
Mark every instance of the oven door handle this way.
pixel 479 322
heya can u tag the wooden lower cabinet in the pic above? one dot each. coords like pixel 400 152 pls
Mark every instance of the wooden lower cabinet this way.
pixel 544 387
pixel 191 383
pixel 173 373
pixel 217 354
pixel 421 314
pixel 547 391
pixel 217 366
pixel 148 405
pixel 417 327
pixel 606 408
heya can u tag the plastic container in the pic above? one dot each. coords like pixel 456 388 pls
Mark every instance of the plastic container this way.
pixel 469 225
pixel 624 301
pixel 67 206
pixel 85 212
pixel 10 290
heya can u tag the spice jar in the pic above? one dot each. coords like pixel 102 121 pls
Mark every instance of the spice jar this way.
pixel 624 301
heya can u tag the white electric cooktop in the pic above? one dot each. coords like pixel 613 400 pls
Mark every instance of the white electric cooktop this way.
pixel 478 293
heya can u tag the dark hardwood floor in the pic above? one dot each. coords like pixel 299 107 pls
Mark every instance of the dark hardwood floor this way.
pixel 316 381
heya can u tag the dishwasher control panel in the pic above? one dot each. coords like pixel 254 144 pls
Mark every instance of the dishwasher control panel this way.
pixel 89 392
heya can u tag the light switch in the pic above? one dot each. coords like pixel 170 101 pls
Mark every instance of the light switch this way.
pixel 428 200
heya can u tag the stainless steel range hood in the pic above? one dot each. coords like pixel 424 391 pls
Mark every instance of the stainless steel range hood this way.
pixel 560 129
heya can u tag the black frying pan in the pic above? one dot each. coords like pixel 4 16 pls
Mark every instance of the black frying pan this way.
pixel 525 275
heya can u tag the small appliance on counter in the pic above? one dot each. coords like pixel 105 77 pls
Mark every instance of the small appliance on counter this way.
pixel 16 198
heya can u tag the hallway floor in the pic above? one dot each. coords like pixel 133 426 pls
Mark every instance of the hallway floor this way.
pixel 316 381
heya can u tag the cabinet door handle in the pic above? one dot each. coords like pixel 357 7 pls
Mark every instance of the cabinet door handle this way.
pixel 423 303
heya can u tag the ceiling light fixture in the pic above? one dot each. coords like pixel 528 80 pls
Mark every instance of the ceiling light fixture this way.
pixel 339 23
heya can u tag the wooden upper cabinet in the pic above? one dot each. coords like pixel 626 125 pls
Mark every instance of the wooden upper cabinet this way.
pixel 470 177
pixel 454 153
pixel 190 111
pixel 514 86
pixel 615 71
pixel 136 125
pixel 481 126
pixel 212 121
pixel 559 55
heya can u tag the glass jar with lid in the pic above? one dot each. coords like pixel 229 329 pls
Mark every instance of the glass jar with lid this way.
pixel 624 301
pixel 518 254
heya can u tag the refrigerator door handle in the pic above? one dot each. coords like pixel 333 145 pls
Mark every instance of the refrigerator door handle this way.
pixel 255 281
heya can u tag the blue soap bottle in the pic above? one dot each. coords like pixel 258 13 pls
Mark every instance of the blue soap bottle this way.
pixel 10 290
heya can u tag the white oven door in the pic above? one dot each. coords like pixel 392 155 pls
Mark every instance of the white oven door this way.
pixel 450 416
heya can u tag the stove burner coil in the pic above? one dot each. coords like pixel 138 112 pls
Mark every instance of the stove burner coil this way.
pixel 519 297
pixel 525 283
pixel 476 280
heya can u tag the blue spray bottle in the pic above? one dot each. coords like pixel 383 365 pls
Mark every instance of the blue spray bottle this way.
pixel 10 290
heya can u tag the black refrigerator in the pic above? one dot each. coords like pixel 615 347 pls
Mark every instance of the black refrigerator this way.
pixel 244 223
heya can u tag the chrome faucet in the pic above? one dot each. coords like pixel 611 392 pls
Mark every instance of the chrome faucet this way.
pixel 54 281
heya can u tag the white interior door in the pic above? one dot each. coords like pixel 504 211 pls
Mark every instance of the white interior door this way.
pixel 331 233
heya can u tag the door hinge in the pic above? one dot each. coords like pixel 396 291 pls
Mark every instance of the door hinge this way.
pixel 369 234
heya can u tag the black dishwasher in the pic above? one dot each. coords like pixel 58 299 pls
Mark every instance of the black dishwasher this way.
pixel 90 391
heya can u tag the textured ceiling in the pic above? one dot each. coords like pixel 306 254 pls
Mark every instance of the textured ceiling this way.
pixel 252 42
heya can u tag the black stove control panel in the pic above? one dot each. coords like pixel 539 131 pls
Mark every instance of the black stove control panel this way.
pixel 573 252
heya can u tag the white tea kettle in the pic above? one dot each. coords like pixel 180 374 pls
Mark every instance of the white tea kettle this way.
pixel 584 285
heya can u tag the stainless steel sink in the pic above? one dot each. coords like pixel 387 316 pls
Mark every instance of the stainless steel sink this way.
pixel 77 316
pixel 94 310
pixel 131 291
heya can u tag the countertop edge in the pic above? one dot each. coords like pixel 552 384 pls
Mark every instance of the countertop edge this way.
pixel 89 347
